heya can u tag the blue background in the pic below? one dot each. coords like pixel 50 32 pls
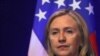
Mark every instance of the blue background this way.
pixel 16 20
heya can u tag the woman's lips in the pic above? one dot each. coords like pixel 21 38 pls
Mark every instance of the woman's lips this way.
pixel 63 47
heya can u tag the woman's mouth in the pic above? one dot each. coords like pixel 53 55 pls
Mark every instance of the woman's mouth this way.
pixel 63 47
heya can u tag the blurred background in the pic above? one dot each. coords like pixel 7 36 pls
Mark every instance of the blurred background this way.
pixel 16 20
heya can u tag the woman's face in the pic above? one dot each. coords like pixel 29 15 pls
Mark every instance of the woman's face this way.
pixel 64 36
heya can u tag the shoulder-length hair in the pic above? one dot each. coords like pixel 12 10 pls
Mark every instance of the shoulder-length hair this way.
pixel 85 49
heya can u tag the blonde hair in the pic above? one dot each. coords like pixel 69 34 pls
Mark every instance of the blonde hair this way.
pixel 85 48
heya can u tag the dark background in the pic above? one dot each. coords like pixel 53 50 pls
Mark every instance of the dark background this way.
pixel 97 18
pixel 16 19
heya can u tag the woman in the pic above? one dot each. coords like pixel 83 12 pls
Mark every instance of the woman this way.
pixel 67 35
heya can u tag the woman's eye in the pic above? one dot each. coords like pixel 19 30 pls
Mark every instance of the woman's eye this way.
pixel 69 31
pixel 54 33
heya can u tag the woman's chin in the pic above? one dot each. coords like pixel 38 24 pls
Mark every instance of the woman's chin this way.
pixel 63 53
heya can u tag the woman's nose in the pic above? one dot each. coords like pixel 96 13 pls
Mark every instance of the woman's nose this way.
pixel 62 37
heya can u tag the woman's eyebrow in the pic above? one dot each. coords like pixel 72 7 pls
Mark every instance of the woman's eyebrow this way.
pixel 69 27
pixel 54 29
